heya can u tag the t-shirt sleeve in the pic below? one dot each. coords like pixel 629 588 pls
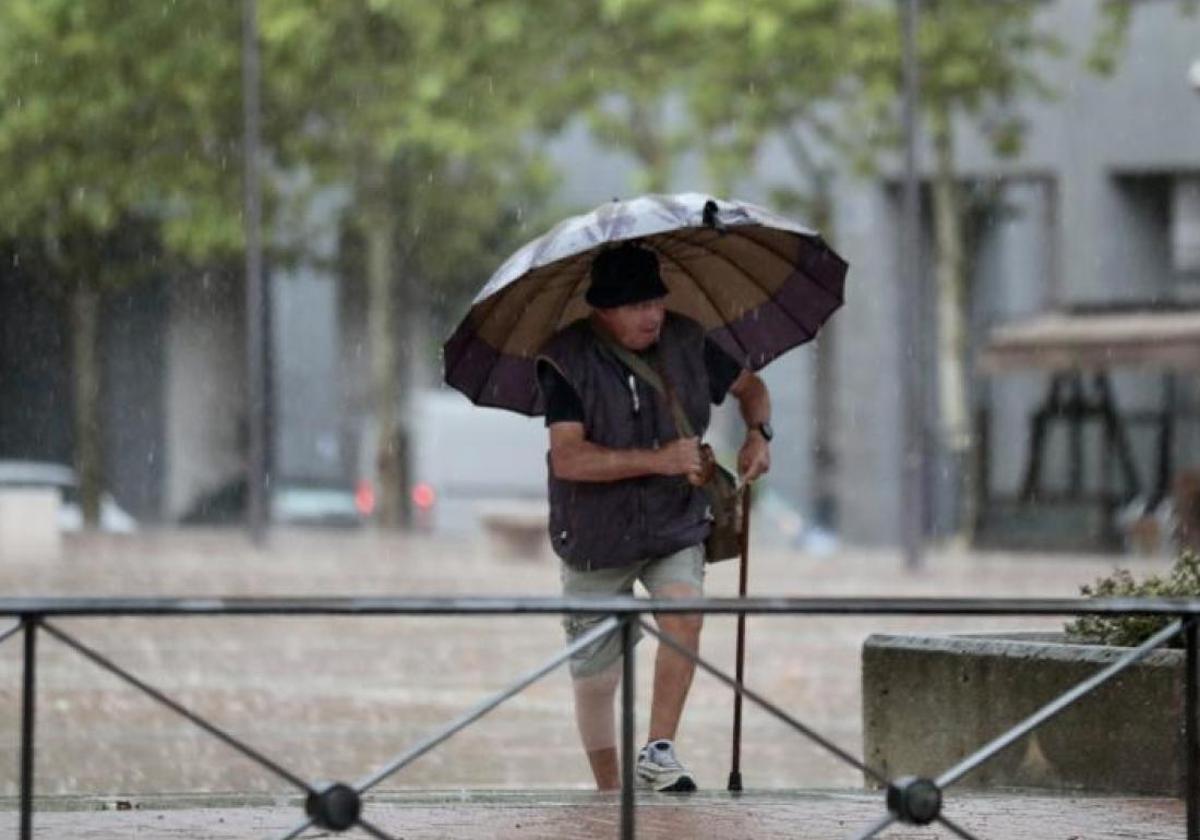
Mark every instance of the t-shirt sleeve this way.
pixel 562 403
pixel 722 369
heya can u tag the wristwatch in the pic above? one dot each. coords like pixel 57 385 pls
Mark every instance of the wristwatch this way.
pixel 765 430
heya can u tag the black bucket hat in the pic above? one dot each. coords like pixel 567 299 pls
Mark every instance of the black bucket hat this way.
pixel 623 275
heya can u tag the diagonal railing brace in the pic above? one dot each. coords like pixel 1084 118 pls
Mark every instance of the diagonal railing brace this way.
pixel 155 694
pixel 764 703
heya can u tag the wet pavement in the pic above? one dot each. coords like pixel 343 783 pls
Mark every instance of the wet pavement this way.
pixel 813 815
pixel 336 698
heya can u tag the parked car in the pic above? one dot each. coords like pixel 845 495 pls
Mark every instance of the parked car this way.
pixel 292 503
pixel 46 474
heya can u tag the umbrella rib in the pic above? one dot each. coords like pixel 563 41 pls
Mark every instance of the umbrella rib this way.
pixel 769 294
pixel 744 233
pixel 758 243
pixel 491 303
pixel 514 327
pixel 496 301
pixel 704 291
pixel 566 301
pixel 482 382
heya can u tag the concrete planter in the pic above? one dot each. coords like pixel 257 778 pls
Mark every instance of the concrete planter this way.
pixel 930 701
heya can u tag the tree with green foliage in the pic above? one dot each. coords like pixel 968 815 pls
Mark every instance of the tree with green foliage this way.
pixel 979 63
pixel 421 111
pixel 636 55
pixel 677 78
pixel 786 71
pixel 976 60
pixel 119 143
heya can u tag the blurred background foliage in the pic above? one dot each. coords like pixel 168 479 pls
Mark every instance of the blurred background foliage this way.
pixel 121 132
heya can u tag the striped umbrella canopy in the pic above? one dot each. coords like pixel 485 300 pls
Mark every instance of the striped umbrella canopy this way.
pixel 760 284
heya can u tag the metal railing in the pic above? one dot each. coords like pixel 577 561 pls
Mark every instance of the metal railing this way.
pixel 338 807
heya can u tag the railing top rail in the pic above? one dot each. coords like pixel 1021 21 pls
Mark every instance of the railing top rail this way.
pixel 475 605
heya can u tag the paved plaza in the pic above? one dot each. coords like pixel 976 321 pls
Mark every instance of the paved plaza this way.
pixel 549 815
pixel 337 698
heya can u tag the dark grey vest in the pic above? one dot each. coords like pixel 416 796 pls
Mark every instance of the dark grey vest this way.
pixel 602 525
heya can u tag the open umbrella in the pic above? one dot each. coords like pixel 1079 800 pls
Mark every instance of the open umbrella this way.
pixel 760 283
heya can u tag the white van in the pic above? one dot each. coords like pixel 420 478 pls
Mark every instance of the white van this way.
pixel 468 463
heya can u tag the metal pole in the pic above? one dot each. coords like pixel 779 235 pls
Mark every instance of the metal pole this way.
pixel 912 297
pixel 28 699
pixel 627 726
pixel 256 332
pixel 1191 729
pixel 600 631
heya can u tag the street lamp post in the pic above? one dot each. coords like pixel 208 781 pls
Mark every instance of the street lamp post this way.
pixel 912 481
pixel 256 302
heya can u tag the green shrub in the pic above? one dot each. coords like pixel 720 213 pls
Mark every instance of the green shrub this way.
pixel 1183 581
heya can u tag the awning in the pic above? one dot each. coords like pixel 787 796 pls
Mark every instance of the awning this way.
pixel 1095 341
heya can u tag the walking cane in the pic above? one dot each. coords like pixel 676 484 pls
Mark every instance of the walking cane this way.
pixel 735 773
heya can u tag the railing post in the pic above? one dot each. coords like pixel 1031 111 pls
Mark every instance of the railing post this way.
pixel 627 727
pixel 28 699
pixel 1191 729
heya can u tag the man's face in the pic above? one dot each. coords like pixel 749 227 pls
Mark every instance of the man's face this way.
pixel 635 325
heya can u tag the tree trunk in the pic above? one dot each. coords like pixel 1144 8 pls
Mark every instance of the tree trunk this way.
pixel 379 235
pixel 824 429
pixel 950 270
pixel 89 452
pixel 824 487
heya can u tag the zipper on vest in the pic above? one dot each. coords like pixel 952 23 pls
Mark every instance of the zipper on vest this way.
pixel 640 495
pixel 633 392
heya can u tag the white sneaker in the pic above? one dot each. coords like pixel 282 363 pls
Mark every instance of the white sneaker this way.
pixel 658 767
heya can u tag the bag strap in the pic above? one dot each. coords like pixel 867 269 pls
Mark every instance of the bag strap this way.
pixel 646 372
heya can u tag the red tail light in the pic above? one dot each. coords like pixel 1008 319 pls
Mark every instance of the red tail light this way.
pixel 423 496
pixel 364 498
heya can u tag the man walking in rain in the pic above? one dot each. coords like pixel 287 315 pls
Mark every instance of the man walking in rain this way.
pixel 626 501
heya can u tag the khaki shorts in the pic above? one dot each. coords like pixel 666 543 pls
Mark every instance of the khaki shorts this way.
pixel 685 566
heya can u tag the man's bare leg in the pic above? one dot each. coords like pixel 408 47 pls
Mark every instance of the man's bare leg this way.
pixel 673 671
pixel 605 768
pixel 594 696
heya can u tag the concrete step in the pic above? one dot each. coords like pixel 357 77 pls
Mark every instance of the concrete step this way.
pixel 576 814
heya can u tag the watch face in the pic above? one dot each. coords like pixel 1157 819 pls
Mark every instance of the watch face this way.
pixel 766 430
